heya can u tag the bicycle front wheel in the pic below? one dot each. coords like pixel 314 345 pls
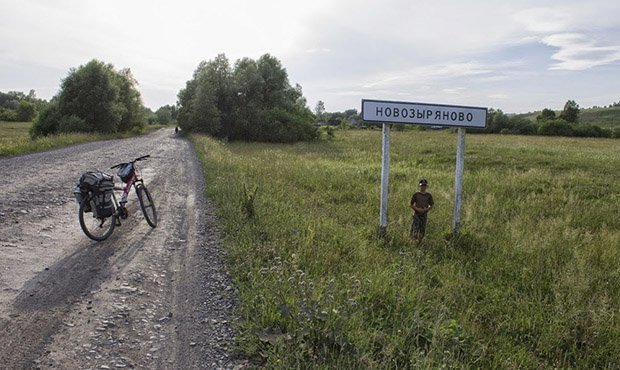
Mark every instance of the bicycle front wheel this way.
pixel 96 228
pixel 147 205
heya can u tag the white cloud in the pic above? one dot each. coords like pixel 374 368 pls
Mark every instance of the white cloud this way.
pixel 543 20
pixel 580 32
pixel 429 73
pixel 577 52
pixel 454 91
pixel 318 50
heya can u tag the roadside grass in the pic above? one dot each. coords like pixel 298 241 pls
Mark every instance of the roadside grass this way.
pixel 533 281
pixel 15 138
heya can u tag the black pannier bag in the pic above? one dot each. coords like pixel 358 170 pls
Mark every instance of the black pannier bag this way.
pixel 125 172
pixel 100 184
pixel 79 197
pixel 103 204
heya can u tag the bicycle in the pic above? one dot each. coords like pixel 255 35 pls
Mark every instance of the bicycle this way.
pixel 98 223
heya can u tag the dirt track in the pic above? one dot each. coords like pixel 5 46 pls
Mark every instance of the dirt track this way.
pixel 144 298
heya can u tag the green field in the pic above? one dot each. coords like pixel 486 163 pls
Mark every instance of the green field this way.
pixel 15 138
pixel 13 135
pixel 533 281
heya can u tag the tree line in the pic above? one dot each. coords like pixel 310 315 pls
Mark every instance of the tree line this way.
pixel 566 123
pixel 251 101
pixel 349 117
pixel 15 106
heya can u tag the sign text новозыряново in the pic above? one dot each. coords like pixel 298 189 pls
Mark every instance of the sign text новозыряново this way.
pixel 425 114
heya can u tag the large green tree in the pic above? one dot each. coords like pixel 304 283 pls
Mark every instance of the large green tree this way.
pixel 247 83
pixel 252 101
pixel 571 112
pixel 319 110
pixel 90 93
pixel 132 109
pixel 93 98
pixel 546 115
pixel 165 114
pixel 497 120
pixel 205 101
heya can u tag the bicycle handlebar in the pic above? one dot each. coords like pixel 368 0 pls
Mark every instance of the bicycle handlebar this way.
pixel 135 160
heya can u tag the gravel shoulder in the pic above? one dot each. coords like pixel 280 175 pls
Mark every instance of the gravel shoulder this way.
pixel 146 298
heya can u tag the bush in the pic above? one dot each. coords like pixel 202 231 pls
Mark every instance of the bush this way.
pixel 329 131
pixel 48 122
pixel 591 131
pixel 281 126
pixel 26 111
pixel 7 115
pixel 71 123
pixel 556 127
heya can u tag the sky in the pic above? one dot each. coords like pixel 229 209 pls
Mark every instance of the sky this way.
pixel 517 56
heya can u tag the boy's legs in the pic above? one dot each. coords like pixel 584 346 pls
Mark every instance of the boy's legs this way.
pixel 418 226
pixel 423 220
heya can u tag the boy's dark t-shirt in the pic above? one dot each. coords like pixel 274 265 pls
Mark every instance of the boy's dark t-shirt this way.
pixel 422 200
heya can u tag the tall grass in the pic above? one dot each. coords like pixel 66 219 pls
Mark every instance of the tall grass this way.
pixel 15 138
pixel 532 281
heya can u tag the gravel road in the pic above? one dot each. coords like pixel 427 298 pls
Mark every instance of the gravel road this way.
pixel 145 298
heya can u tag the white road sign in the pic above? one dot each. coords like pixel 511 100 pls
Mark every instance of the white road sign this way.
pixel 382 111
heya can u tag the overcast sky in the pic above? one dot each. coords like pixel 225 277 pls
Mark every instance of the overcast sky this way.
pixel 518 56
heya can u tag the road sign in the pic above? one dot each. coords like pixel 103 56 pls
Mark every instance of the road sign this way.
pixel 387 112
pixel 382 111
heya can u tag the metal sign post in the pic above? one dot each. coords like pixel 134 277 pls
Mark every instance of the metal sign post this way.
pixel 385 112
pixel 458 180
pixel 385 173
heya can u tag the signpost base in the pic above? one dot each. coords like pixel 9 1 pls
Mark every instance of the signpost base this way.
pixel 382 232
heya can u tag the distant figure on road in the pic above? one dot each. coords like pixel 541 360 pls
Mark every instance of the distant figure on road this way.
pixel 176 129
pixel 421 202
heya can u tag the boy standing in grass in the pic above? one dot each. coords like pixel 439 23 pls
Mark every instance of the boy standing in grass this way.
pixel 421 202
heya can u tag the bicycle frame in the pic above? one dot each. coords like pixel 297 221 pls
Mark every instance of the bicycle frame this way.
pixel 134 179
pixel 126 188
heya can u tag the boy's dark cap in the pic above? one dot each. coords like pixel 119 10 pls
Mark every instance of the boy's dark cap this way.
pixel 423 182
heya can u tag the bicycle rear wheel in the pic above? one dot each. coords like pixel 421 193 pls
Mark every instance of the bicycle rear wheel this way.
pixel 96 228
pixel 147 205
